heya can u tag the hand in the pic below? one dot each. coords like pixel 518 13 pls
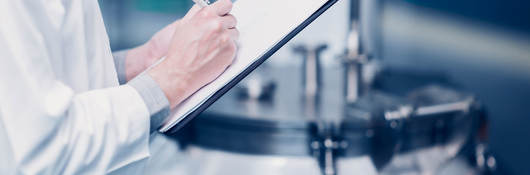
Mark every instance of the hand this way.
pixel 202 47
pixel 141 57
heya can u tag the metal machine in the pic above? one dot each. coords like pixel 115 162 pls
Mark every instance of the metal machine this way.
pixel 382 132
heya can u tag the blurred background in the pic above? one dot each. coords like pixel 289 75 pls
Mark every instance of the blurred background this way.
pixel 475 48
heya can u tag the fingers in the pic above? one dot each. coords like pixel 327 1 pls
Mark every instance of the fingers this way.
pixel 230 49
pixel 233 33
pixel 231 46
pixel 221 7
pixel 228 21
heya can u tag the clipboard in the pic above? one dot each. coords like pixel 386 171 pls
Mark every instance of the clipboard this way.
pixel 176 125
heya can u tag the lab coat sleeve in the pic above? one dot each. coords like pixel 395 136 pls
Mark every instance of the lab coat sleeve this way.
pixel 49 128
pixel 108 129
pixel 99 131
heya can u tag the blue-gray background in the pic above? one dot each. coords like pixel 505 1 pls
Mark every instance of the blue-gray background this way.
pixel 483 45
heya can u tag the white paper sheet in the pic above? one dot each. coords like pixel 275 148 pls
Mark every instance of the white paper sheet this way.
pixel 262 24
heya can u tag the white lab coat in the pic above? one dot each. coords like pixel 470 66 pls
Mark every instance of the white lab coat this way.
pixel 61 109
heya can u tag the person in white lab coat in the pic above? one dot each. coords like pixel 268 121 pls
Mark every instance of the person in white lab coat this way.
pixel 62 109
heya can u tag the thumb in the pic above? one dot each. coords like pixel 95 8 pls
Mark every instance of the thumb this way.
pixel 222 7
pixel 193 10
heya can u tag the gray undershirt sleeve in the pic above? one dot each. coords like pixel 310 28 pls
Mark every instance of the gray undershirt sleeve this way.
pixel 153 96
pixel 119 63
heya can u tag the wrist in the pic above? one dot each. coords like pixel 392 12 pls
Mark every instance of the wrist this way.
pixel 138 60
pixel 151 53
pixel 147 55
pixel 174 83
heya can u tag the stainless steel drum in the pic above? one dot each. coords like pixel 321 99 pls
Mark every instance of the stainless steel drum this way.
pixel 419 126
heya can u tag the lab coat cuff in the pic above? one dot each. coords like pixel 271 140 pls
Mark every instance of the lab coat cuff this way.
pixel 154 98
pixel 119 63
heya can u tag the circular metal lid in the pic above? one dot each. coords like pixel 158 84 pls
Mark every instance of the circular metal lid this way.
pixel 378 124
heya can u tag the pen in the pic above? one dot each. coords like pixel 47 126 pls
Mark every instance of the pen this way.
pixel 202 3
